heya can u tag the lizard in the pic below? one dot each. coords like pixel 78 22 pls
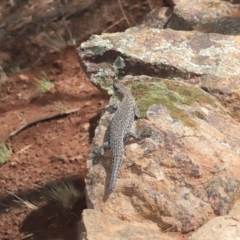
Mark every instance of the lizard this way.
pixel 120 129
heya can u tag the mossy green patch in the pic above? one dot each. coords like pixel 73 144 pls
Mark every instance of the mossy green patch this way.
pixel 169 94
pixel 191 94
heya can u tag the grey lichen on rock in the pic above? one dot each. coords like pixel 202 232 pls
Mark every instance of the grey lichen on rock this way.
pixel 203 53
pixel 119 63
pixel 96 45
pixel 104 77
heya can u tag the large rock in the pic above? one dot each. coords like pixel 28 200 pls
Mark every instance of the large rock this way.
pixel 209 60
pixel 214 16
pixel 184 173
pixel 162 53
pixel 221 228
pixel 96 225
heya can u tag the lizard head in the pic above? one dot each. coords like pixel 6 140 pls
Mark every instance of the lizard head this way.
pixel 120 90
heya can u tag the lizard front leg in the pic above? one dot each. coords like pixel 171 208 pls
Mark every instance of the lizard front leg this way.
pixel 136 112
pixel 102 149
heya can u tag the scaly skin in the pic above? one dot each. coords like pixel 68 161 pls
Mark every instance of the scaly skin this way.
pixel 120 127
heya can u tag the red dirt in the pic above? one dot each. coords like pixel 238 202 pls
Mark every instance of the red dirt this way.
pixel 49 150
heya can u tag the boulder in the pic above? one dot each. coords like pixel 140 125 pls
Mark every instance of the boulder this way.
pixel 184 171
pixel 96 225
pixel 210 16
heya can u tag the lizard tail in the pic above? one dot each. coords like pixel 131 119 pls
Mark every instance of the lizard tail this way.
pixel 116 165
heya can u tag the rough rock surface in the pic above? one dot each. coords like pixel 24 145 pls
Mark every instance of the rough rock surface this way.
pixel 214 16
pixel 226 90
pixel 196 57
pixel 167 53
pixel 184 171
pixel 181 175
pixel 221 228
pixel 97 225
pixel 164 53
pixel 158 18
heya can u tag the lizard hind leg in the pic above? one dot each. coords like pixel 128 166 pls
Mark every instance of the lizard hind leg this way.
pixel 131 135
pixel 101 151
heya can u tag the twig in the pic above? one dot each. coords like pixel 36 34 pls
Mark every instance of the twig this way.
pixel 27 236
pixel 23 149
pixel 113 24
pixel 29 124
pixel 120 4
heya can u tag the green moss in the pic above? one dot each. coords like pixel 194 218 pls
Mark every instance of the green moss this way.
pixel 191 94
pixel 169 94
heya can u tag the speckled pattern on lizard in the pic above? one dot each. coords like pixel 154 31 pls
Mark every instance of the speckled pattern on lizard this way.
pixel 120 129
